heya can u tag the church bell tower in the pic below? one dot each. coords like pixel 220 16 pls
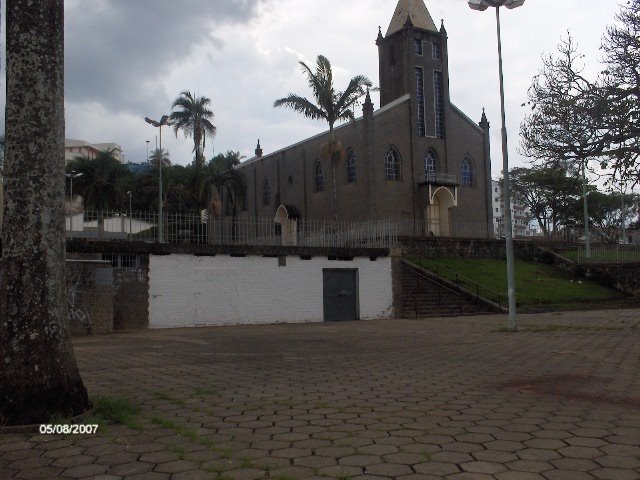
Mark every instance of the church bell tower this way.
pixel 413 59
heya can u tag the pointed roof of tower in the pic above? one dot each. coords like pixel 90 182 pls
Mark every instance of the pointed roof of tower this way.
pixel 416 11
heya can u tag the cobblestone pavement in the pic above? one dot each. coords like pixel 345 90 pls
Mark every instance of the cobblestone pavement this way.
pixel 405 399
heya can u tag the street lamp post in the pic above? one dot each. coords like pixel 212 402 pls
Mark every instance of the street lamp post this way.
pixel 585 207
pixel 71 176
pixel 580 141
pixel 511 275
pixel 148 150
pixel 623 213
pixel 130 217
pixel 159 124
pixel 500 226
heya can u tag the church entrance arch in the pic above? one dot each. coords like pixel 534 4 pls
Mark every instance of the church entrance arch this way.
pixel 438 214
pixel 286 221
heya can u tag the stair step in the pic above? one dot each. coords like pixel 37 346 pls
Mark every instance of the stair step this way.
pixel 432 300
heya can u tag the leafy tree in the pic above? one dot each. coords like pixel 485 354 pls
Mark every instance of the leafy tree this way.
pixel 549 193
pixel 563 125
pixel 104 181
pixel 621 85
pixel 574 118
pixel 39 377
pixel 145 192
pixel 330 105
pixel 607 213
pixel 180 188
pixel 193 116
pixel 229 183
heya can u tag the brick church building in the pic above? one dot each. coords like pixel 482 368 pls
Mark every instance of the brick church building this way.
pixel 417 160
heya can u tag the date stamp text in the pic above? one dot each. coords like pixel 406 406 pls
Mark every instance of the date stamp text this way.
pixel 68 429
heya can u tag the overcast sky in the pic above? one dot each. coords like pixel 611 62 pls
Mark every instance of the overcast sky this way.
pixel 127 59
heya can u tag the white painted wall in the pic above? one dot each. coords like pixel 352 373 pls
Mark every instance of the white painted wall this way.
pixel 189 291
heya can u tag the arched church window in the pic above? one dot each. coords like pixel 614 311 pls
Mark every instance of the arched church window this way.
pixel 437 51
pixel 468 172
pixel 430 165
pixel 438 93
pixel 392 164
pixel 422 128
pixel 351 166
pixel 417 45
pixel 318 177
pixel 266 192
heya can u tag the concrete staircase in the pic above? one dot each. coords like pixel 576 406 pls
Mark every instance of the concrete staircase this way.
pixel 424 294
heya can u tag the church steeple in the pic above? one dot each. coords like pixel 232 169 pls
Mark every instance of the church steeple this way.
pixel 367 107
pixel 443 31
pixel 413 60
pixel 484 122
pixel 411 11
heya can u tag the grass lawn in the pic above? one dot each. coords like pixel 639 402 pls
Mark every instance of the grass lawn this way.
pixel 536 284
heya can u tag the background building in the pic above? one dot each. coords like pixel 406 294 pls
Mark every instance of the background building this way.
pixel 521 219
pixel 80 148
pixel 418 160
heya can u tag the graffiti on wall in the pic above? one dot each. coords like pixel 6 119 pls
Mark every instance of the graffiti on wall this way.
pixel 77 308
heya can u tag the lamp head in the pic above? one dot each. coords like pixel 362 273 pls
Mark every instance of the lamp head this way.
pixel 514 3
pixel 478 5
pixel 151 122
pixel 484 4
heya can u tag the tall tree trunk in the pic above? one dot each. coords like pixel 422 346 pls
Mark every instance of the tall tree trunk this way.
pixel 333 172
pixel 39 375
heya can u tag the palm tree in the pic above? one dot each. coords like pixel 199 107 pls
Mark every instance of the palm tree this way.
pixel 330 105
pixel 103 181
pixel 220 174
pixel 1 187
pixel 193 116
pixel 160 160
pixel 1 153
pixel 158 156
pixel 39 377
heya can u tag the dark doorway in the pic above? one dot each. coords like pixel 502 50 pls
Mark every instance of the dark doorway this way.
pixel 340 294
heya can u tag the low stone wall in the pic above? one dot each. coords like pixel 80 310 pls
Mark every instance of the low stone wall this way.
pixel 89 297
pixel 438 247
pixel 85 247
pixel 621 276
pixel 130 286
pixel 131 297
pixel 435 247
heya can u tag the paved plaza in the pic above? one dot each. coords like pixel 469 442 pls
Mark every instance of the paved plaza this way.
pixel 455 398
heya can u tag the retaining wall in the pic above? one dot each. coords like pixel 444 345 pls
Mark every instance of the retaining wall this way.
pixel 89 297
pixel 188 290
pixel 621 276
pixel 438 247
pixel 131 298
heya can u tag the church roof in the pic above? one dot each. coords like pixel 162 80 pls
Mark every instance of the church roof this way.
pixel 416 11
